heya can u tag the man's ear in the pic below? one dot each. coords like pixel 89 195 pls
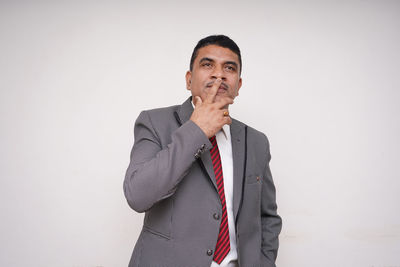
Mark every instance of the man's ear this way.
pixel 239 85
pixel 188 79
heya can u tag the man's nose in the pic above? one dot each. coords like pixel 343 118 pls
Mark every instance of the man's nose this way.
pixel 218 72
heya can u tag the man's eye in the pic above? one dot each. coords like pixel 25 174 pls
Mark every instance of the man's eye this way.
pixel 231 68
pixel 207 64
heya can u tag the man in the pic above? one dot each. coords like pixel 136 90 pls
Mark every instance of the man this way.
pixel 201 177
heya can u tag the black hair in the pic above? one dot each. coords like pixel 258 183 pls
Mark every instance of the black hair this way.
pixel 219 40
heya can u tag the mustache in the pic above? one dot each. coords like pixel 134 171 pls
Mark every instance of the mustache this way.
pixel 223 85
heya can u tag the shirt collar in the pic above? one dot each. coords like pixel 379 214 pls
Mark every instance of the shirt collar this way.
pixel 226 130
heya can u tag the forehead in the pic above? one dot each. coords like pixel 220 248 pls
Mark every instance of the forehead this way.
pixel 217 53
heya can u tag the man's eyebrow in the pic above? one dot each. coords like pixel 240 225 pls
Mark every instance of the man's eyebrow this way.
pixel 212 60
pixel 206 59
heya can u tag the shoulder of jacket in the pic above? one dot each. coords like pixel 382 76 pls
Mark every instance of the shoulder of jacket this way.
pixel 254 133
pixel 163 113
pixel 162 110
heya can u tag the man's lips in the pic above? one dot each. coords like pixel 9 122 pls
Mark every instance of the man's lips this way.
pixel 221 90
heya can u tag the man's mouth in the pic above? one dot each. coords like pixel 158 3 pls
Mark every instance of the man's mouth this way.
pixel 221 89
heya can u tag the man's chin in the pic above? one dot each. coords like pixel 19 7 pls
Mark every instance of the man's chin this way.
pixel 221 97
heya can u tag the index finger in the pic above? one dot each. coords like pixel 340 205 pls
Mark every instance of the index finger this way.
pixel 213 91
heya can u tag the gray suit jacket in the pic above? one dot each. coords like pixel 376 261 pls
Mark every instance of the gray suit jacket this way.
pixel 170 177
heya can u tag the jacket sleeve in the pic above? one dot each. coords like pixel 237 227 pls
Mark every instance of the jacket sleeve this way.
pixel 271 222
pixel 154 172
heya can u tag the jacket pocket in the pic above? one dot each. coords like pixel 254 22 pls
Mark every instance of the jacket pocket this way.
pixel 152 231
pixel 158 218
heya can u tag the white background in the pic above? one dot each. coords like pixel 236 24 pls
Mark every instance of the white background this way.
pixel 320 78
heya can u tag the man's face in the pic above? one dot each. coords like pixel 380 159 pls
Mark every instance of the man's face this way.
pixel 214 62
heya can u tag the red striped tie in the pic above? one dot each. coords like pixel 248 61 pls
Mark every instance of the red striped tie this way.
pixel 223 245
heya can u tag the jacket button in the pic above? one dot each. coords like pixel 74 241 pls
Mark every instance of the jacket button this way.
pixel 209 252
pixel 216 216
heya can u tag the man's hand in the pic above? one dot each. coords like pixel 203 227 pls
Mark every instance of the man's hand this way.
pixel 211 115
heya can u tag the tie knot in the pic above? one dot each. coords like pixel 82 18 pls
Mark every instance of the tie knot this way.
pixel 213 141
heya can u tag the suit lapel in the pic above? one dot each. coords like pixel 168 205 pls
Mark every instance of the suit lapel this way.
pixel 184 112
pixel 238 150
pixel 207 163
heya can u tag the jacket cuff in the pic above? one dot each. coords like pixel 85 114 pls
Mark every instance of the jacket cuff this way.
pixel 192 135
